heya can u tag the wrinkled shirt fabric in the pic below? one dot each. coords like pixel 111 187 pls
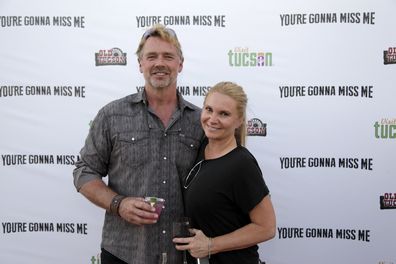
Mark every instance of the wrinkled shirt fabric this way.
pixel 129 144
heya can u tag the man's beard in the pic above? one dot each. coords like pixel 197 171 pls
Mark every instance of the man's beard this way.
pixel 159 84
pixel 162 82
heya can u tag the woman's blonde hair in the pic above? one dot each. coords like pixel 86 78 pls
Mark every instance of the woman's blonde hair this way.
pixel 236 92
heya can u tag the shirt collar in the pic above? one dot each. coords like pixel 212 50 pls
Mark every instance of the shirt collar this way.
pixel 182 104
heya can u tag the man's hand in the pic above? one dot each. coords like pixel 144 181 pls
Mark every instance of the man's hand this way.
pixel 138 212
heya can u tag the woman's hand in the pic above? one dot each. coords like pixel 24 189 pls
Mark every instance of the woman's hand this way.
pixel 198 245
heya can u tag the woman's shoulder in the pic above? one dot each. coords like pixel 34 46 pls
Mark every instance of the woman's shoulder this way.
pixel 244 156
pixel 244 152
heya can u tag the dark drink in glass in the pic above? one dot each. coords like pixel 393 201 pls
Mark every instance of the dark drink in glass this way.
pixel 181 228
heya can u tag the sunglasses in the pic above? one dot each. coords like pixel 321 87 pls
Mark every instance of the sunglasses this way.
pixel 192 174
pixel 154 32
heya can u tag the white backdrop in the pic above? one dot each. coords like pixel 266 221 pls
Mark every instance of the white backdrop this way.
pixel 321 110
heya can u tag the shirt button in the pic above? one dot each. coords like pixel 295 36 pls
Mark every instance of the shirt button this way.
pixel 165 134
pixel 133 139
pixel 163 182
pixel 165 158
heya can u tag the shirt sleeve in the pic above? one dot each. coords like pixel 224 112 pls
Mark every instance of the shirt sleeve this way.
pixel 249 187
pixel 94 156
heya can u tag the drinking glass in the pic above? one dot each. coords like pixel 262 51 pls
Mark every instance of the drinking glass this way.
pixel 180 228
pixel 156 202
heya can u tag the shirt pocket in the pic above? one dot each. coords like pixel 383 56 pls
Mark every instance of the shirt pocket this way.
pixel 187 153
pixel 134 148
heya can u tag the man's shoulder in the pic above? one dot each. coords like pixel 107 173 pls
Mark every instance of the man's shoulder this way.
pixel 192 113
pixel 192 106
pixel 120 105
pixel 183 103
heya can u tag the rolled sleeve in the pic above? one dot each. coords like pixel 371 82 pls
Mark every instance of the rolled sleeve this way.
pixel 95 153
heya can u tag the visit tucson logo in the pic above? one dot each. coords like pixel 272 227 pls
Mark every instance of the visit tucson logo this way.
pixel 385 129
pixel 243 57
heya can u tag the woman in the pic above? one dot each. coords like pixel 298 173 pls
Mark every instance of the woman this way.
pixel 225 194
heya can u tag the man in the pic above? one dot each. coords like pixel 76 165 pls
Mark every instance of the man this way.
pixel 145 143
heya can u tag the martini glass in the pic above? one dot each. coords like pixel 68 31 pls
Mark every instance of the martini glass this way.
pixel 156 202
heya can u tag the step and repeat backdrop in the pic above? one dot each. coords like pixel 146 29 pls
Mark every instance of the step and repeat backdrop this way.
pixel 320 77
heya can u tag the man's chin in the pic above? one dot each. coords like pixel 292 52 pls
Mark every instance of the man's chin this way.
pixel 160 86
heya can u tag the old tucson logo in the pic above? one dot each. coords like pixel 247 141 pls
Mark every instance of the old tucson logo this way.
pixel 256 128
pixel 388 201
pixel 113 56
pixel 390 56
